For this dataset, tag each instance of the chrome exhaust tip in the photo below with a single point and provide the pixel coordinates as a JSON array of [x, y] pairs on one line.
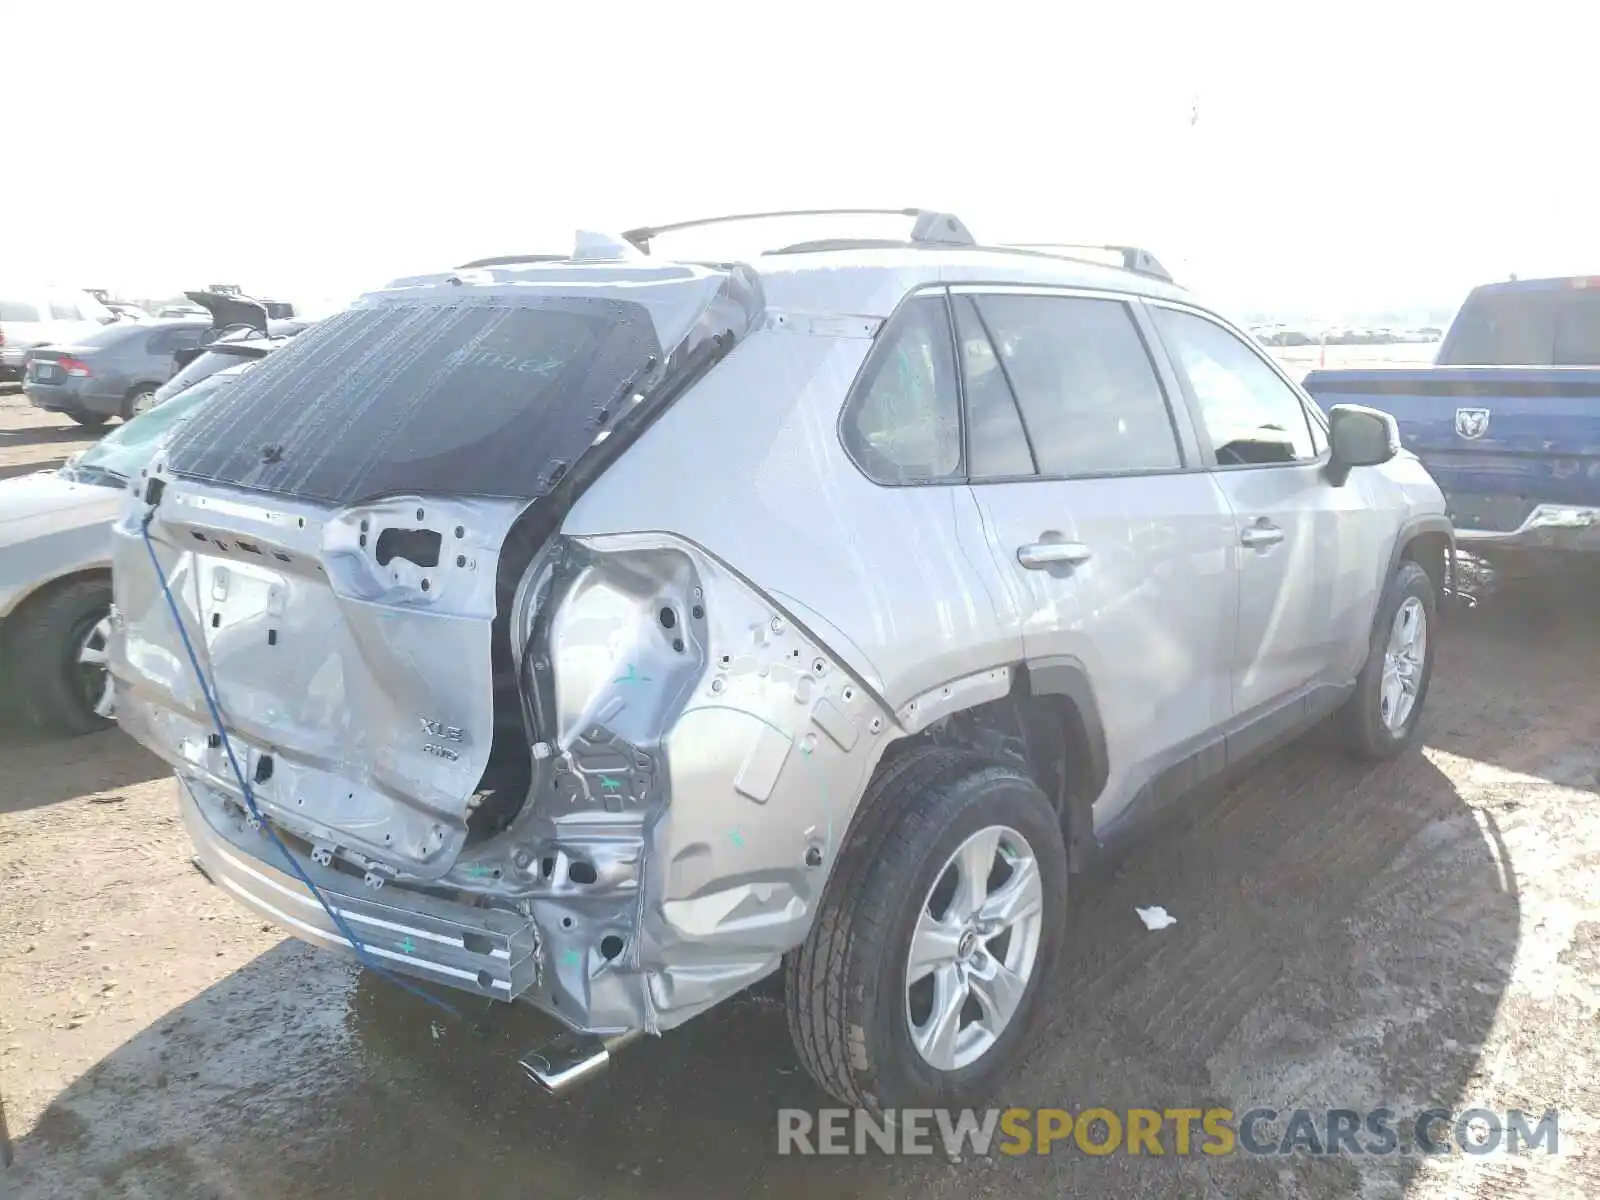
[[570, 1059]]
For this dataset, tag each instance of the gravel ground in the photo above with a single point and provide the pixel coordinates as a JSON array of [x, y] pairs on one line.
[[1424, 933]]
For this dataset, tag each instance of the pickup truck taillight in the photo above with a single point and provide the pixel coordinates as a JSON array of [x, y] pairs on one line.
[[75, 367]]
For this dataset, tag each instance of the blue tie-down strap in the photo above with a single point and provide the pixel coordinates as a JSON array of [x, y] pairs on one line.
[[356, 945]]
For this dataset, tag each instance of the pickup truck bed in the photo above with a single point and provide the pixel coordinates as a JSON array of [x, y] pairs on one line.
[[1515, 448]]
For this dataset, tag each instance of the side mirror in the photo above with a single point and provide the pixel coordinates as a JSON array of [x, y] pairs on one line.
[[1359, 437]]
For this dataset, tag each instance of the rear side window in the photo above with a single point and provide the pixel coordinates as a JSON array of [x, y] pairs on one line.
[[1251, 415], [1090, 399], [489, 397], [18, 310], [902, 422], [1549, 326], [169, 341], [64, 307], [996, 441]]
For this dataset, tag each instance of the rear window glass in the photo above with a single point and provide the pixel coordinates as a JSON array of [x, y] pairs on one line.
[[1554, 328], [472, 397], [18, 310]]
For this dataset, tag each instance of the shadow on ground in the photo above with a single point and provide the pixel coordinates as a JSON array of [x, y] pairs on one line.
[[34, 772], [1345, 938]]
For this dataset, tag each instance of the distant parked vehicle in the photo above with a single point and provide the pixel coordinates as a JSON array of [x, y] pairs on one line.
[[112, 372], [240, 331], [127, 312], [185, 311], [33, 316], [1507, 419]]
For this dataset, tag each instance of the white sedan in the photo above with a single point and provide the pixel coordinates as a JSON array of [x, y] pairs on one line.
[[55, 569]]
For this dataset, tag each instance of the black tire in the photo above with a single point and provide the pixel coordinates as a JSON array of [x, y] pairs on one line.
[[43, 639], [1363, 726], [845, 986], [89, 419]]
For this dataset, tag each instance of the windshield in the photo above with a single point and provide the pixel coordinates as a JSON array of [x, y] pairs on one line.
[[1536, 328], [124, 451], [471, 397]]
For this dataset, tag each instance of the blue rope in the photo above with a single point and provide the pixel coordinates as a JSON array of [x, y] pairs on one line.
[[356, 944]]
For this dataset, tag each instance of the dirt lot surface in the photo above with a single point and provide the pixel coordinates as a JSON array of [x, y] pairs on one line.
[[1423, 933]]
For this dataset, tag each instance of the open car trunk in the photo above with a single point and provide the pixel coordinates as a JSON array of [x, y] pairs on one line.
[[337, 535]]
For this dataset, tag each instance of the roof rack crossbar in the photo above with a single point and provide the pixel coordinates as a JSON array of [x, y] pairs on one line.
[[1134, 258], [928, 227]]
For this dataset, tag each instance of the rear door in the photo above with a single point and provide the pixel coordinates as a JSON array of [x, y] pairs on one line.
[[1306, 550], [1114, 541]]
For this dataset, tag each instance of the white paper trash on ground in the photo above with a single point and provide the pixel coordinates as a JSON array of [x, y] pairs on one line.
[[1156, 917]]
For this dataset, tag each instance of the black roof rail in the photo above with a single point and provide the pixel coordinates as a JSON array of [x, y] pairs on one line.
[[1134, 258], [928, 227], [506, 260]]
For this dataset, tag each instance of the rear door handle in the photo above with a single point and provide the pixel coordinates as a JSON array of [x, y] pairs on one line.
[[1038, 555], [1261, 535]]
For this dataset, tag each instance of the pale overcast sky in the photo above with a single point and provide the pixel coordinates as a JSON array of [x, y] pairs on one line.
[[1345, 154]]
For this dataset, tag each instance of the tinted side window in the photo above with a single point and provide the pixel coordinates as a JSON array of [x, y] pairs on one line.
[[64, 307], [1091, 401], [996, 442], [901, 423], [168, 341], [1251, 415]]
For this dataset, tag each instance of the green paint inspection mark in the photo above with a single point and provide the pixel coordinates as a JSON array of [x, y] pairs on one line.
[[571, 956], [610, 784], [632, 676], [480, 871], [736, 837], [408, 946]]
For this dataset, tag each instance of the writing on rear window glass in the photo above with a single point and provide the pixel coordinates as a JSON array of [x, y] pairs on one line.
[[506, 362]]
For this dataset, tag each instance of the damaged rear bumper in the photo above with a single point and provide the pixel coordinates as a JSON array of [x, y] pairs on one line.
[[490, 952]]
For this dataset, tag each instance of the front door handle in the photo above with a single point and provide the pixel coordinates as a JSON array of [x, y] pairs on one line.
[[1261, 535], [1036, 556]]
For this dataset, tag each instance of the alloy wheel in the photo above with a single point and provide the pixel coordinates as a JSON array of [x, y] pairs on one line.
[[974, 947]]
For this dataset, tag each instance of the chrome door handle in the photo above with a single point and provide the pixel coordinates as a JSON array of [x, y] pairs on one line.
[[1258, 537], [1038, 555]]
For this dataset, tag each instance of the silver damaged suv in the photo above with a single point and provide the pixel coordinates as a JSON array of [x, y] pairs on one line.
[[609, 632]]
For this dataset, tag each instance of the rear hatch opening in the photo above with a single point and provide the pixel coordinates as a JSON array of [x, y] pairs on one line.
[[344, 534]]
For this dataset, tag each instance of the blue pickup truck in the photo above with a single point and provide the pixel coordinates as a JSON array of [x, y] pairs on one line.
[[1507, 419]]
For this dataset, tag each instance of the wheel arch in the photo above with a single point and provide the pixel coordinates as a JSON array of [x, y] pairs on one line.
[[1047, 722], [1430, 542]]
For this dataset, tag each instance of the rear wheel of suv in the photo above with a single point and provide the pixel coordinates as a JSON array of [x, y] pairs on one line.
[[921, 981], [56, 646], [1382, 716]]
